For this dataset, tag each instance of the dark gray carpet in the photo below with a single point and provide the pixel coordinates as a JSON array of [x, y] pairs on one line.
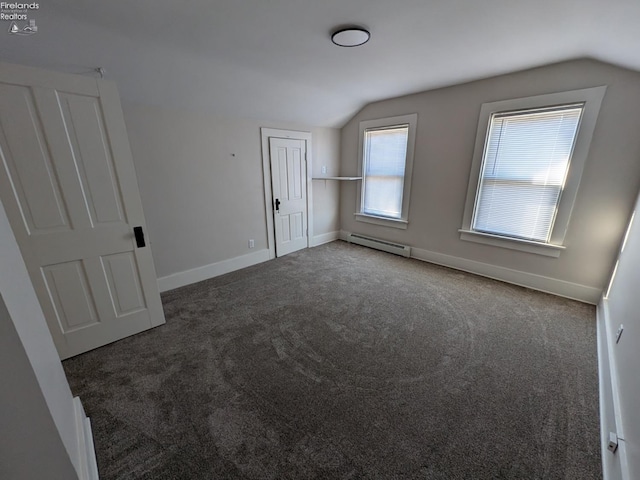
[[348, 363]]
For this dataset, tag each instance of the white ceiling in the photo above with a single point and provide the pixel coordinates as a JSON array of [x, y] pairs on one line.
[[273, 59]]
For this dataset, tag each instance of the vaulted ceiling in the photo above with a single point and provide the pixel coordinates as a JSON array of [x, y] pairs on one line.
[[273, 59]]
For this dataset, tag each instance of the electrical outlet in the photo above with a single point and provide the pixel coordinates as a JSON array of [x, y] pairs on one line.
[[251, 243], [324, 169]]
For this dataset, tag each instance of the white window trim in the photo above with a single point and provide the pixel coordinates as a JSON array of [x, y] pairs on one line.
[[592, 99], [530, 246], [387, 222], [403, 221]]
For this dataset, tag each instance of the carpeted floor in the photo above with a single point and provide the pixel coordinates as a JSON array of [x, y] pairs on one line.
[[347, 363]]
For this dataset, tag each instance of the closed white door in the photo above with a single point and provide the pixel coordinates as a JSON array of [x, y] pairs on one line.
[[289, 187], [69, 187]]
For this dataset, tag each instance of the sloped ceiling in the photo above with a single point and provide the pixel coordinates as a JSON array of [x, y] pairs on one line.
[[273, 59]]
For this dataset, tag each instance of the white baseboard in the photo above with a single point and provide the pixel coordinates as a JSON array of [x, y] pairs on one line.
[[321, 239], [561, 288], [614, 465], [180, 279], [554, 286], [87, 464]]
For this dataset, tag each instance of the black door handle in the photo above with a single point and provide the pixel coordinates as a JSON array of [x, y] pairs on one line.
[[139, 234], [277, 205]]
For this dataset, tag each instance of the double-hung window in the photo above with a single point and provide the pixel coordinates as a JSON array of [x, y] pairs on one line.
[[527, 166], [386, 153]]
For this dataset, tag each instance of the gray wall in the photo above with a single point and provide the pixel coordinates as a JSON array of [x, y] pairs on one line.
[[37, 417], [622, 307], [447, 123], [201, 184], [326, 194]]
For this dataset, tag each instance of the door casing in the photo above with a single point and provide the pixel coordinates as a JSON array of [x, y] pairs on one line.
[[266, 133]]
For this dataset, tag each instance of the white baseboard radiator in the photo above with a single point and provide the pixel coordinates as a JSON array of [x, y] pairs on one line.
[[396, 248]]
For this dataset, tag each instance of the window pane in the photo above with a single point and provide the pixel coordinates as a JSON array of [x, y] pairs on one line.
[[383, 196], [523, 173], [517, 210], [385, 153]]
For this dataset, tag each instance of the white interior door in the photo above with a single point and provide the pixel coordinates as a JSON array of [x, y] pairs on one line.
[[289, 188], [68, 185]]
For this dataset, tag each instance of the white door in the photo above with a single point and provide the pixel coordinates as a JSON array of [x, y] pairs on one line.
[[70, 191], [289, 187]]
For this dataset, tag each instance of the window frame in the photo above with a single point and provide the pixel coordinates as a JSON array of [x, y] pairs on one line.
[[592, 100], [388, 122]]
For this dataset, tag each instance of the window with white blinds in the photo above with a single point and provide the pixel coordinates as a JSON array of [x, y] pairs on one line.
[[385, 154], [524, 168], [527, 165]]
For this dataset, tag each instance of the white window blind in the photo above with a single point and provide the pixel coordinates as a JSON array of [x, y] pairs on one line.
[[526, 159], [385, 155]]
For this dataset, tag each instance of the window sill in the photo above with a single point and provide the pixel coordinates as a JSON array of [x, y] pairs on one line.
[[539, 248], [387, 222]]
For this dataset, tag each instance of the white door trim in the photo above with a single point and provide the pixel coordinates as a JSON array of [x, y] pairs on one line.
[[266, 175]]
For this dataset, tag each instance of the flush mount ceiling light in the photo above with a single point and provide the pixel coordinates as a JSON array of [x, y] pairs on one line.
[[350, 37]]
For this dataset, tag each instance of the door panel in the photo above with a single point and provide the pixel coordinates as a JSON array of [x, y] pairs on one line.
[[296, 179], [123, 277], [283, 172], [289, 180], [68, 288], [92, 158], [285, 229], [33, 179], [297, 227], [69, 188]]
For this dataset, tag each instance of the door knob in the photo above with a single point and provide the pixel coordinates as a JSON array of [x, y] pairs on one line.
[[277, 205]]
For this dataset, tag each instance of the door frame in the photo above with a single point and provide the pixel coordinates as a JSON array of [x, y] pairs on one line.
[[265, 134]]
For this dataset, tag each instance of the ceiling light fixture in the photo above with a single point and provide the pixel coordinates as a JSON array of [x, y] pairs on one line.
[[350, 37]]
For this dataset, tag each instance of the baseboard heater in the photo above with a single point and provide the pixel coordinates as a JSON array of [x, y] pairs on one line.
[[396, 248]]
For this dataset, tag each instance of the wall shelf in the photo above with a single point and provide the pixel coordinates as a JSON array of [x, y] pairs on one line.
[[336, 178]]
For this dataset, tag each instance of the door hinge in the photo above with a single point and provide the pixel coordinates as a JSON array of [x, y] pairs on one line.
[[613, 442]]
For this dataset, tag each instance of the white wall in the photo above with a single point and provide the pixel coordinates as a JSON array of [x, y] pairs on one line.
[[201, 184], [38, 436], [623, 307], [447, 123]]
